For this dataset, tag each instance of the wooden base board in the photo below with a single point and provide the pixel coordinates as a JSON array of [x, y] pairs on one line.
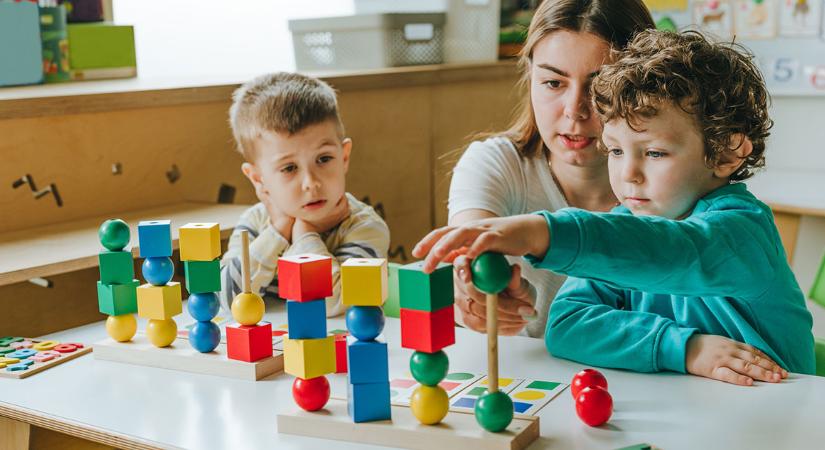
[[41, 366], [181, 356], [458, 430]]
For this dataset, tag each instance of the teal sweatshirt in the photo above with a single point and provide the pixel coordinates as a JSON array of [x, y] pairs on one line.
[[640, 286]]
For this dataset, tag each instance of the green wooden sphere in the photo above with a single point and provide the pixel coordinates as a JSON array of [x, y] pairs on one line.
[[429, 368], [491, 272], [114, 234], [494, 411]]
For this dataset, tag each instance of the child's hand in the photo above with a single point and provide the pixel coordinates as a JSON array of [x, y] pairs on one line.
[[513, 235], [302, 227], [514, 302], [280, 221], [727, 360]]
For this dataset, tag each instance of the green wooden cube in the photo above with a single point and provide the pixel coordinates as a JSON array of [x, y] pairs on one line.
[[391, 305], [425, 292], [116, 267], [117, 299], [202, 276]]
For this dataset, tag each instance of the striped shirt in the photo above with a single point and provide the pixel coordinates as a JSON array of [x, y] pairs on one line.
[[363, 234]]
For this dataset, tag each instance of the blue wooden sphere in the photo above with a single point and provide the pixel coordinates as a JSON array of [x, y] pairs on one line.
[[205, 336], [365, 322], [158, 270], [203, 306]]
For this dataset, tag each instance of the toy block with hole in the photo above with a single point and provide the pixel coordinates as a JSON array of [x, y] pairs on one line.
[[200, 241], [249, 343], [309, 358], [117, 299], [305, 277], [368, 362], [159, 302], [202, 276], [364, 281], [369, 402], [155, 238], [427, 331], [116, 267], [341, 353], [307, 320], [425, 292]]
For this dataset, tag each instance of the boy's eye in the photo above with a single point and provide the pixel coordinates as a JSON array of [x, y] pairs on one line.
[[615, 151], [324, 159], [552, 84], [289, 168], [655, 154]]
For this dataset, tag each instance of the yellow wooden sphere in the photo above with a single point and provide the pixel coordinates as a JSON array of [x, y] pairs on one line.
[[248, 308], [121, 328], [162, 333], [429, 404]]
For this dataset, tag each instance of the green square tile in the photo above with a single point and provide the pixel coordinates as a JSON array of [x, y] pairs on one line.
[[544, 385], [202, 276], [477, 391], [392, 305], [117, 299], [424, 292], [116, 267]]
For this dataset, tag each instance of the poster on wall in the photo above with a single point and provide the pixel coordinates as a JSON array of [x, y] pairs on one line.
[[755, 19], [800, 17], [714, 17]]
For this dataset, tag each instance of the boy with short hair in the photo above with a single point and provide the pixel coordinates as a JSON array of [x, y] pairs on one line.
[[689, 273], [288, 129]]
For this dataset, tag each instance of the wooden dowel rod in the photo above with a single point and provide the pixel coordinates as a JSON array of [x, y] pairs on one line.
[[492, 342], [247, 288]]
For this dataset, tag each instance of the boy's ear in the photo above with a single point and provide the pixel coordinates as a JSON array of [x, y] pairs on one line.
[[253, 174], [730, 161], [346, 146]]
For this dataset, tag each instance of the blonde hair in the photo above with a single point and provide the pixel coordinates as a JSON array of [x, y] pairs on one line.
[[280, 102]]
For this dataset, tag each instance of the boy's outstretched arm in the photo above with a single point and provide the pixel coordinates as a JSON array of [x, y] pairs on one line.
[[587, 324]]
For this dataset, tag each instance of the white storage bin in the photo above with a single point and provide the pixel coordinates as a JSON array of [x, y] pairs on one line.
[[368, 41], [472, 28]]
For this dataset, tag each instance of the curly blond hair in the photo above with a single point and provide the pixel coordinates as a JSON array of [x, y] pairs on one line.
[[718, 83]]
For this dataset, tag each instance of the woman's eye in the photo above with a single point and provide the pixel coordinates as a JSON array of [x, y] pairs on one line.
[[552, 84]]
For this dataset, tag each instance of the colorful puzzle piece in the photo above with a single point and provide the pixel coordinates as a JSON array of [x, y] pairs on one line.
[[32, 356], [401, 389]]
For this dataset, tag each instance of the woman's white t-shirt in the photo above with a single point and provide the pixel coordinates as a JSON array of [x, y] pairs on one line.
[[491, 175]]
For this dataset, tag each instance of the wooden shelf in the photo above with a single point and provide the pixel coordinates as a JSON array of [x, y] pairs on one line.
[[66, 247], [113, 95]]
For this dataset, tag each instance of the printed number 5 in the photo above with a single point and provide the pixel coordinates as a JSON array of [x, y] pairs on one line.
[[784, 69]]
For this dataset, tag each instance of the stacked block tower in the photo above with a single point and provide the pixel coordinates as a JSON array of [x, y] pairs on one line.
[[200, 251], [364, 289], [249, 339], [117, 288], [159, 300], [427, 326], [309, 352]]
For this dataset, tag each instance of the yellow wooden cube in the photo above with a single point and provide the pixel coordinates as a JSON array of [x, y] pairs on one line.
[[159, 302], [309, 358], [200, 241], [364, 281]]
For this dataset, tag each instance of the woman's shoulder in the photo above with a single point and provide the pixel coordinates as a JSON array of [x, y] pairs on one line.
[[496, 151]]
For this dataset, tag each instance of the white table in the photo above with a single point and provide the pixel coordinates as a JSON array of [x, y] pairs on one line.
[[125, 405]]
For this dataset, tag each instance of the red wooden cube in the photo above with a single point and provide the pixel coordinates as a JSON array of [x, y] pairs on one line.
[[427, 331], [249, 343], [341, 353], [304, 277]]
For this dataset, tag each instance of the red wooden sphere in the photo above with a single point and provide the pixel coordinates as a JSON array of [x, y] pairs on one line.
[[311, 394], [594, 406], [587, 378]]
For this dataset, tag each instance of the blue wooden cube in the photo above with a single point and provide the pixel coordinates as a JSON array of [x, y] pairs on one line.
[[367, 362], [307, 320], [155, 238], [369, 402]]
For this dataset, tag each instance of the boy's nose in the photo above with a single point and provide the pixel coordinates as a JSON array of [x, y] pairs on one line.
[[311, 182], [632, 173]]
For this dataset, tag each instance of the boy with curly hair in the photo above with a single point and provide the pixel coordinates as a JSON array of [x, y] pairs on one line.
[[688, 274]]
